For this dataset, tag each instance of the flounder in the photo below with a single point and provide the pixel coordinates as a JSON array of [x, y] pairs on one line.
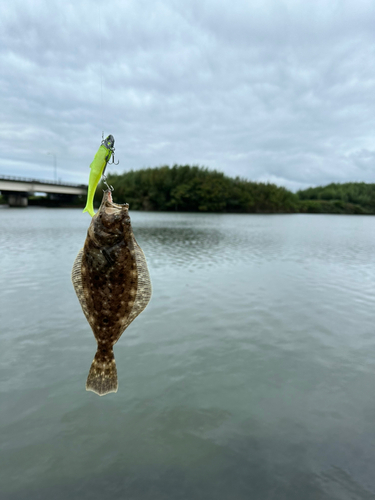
[[112, 282]]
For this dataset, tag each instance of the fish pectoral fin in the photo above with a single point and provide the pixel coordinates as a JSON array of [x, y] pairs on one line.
[[102, 378], [108, 257]]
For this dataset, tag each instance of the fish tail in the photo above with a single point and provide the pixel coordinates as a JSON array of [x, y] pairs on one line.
[[102, 378], [89, 208]]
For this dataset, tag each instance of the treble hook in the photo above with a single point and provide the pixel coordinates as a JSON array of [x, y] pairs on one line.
[[113, 158]]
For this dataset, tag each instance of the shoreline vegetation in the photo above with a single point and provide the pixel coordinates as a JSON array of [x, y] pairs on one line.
[[185, 188]]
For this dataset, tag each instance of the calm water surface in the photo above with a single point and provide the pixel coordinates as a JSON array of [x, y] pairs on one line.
[[250, 375]]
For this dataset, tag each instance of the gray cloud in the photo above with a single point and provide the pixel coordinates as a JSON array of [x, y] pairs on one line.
[[271, 91]]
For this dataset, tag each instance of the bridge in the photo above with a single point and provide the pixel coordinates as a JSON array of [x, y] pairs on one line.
[[18, 189]]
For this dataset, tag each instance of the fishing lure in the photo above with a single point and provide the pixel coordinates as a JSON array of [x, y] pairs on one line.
[[97, 169]]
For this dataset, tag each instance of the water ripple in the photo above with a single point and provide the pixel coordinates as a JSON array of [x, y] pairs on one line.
[[249, 375]]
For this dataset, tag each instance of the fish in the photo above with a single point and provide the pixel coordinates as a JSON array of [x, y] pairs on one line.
[[112, 282], [97, 168]]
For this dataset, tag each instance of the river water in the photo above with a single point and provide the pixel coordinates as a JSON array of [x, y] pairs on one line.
[[250, 375]]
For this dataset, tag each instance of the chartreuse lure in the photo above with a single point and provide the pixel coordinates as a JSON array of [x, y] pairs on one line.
[[97, 168]]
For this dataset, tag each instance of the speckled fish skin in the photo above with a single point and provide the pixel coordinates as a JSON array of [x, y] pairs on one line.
[[111, 279]]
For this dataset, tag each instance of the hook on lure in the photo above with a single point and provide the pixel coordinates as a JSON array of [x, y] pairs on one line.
[[109, 143]]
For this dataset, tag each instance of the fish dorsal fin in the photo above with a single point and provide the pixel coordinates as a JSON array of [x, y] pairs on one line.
[[77, 282], [144, 289]]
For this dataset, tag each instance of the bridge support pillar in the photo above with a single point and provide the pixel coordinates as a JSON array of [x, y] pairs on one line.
[[17, 200]]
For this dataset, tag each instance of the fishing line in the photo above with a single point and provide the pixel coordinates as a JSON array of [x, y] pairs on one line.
[[101, 69]]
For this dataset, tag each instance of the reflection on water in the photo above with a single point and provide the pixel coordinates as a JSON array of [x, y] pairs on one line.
[[196, 240], [249, 375]]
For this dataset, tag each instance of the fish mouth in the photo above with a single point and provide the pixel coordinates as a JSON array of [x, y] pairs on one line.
[[109, 207]]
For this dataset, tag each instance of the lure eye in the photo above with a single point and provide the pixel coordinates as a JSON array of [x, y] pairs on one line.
[[110, 141]]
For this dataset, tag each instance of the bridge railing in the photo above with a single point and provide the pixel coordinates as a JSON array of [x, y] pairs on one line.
[[40, 181]]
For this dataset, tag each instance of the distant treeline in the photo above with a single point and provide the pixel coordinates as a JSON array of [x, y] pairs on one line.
[[197, 189], [349, 198]]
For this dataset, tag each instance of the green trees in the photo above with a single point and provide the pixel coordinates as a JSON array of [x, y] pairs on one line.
[[197, 189], [351, 197]]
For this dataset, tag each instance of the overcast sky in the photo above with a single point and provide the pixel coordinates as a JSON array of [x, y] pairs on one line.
[[270, 90]]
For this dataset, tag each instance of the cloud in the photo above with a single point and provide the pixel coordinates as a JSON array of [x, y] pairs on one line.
[[278, 91]]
